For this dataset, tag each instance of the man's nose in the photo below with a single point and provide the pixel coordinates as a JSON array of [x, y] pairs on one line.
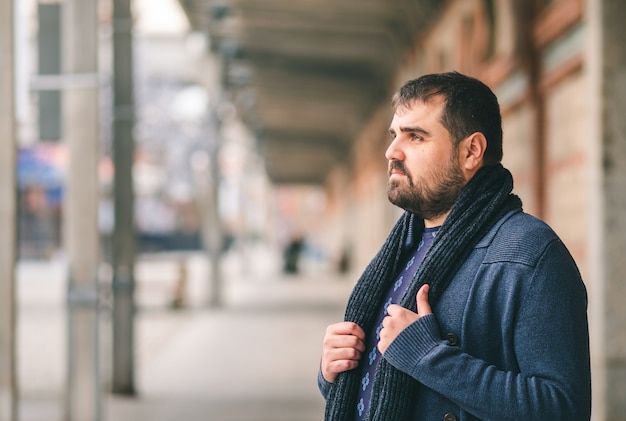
[[393, 152]]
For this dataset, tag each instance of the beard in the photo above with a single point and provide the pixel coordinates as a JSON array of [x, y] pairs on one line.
[[432, 195]]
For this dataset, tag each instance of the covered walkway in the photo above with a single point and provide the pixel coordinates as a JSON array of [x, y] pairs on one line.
[[256, 358]]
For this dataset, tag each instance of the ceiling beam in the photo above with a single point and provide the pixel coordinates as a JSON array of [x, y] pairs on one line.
[[306, 75]]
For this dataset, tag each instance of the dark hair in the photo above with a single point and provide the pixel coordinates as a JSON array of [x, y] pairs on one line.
[[470, 106]]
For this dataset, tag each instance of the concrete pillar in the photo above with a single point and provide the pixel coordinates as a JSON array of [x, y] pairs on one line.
[[123, 250], [81, 122], [8, 387], [207, 178], [213, 228], [606, 66], [207, 181]]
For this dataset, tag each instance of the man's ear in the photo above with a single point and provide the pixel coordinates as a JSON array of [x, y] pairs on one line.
[[472, 151]]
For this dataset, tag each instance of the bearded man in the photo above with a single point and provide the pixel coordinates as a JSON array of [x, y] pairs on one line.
[[472, 309]]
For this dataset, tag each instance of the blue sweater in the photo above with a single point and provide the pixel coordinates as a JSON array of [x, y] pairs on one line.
[[508, 340]]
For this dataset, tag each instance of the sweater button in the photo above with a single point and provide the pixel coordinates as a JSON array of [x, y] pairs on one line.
[[453, 340], [449, 417]]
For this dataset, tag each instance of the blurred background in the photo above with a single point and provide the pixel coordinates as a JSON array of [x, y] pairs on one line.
[[190, 188]]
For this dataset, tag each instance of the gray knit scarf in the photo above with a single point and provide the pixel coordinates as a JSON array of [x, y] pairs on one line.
[[483, 201]]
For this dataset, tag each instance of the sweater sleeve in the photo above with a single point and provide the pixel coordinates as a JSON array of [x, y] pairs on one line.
[[551, 345], [323, 385]]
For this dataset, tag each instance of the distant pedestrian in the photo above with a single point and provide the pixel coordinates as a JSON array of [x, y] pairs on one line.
[[472, 309], [292, 254]]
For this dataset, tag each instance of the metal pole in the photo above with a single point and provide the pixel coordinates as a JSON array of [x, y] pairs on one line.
[[81, 112], [123, 245], [8, 382]]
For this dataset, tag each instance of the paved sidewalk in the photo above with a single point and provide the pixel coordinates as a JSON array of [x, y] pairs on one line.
[[256, 358]]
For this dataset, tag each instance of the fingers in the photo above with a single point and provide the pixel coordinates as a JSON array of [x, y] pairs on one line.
[[342, 347], [345, 335], [344, 342], [389, 331], [339, 360], [423, 306], [393, 310], [346, 328], [399, 318]]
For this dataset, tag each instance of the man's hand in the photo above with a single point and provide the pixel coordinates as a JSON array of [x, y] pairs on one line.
[[399, 318], [343, 344]]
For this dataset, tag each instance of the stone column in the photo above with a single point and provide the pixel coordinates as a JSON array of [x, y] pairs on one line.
[[81, 134], [8, 388], [606, 67]]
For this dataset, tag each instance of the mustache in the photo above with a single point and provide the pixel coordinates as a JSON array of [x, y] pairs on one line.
[[398, 166]]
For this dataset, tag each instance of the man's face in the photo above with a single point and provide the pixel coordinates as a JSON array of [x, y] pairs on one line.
[[424, 172]]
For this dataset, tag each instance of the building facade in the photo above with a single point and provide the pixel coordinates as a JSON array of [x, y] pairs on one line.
[[557, 70]]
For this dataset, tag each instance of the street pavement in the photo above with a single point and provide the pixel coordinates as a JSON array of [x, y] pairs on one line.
[[256, 357]]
